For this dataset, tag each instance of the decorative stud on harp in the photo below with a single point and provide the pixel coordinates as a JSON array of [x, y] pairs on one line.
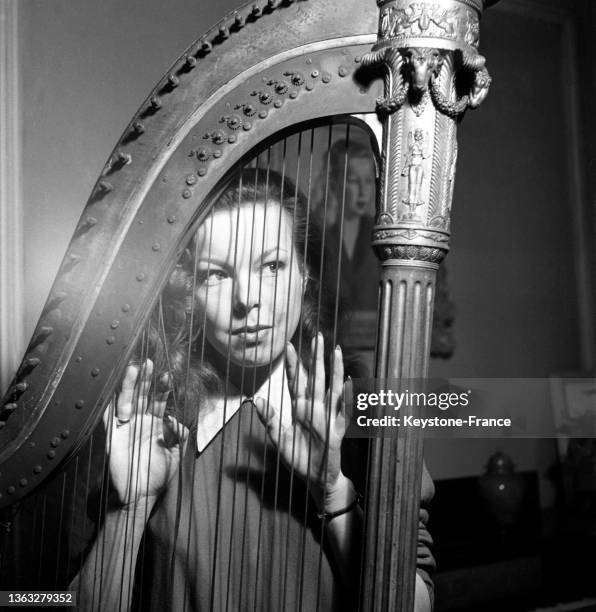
[[426, 51]]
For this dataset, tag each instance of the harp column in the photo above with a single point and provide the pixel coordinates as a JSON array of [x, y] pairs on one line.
[[433, 72]]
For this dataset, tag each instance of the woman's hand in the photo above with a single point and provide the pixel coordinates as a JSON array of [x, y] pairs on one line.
[[311, 446], [144, 450]]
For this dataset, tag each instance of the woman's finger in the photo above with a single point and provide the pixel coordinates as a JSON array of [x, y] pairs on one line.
[[175, 432], [126, 397], [340, 419], [336, 389], [293, 372], [157, 407], [317, 364], [143, 386], [108, 417], [319, 382]]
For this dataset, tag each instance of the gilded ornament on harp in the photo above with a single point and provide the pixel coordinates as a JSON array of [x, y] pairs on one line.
[[385, 218], [423, 64], [429, 20], [281, 87], [248, 109], [410, 234], [480, 88], [442, 85], [232, 121], [395, 86], [296, 78], [414, 172], [217, 136], [412, 253]]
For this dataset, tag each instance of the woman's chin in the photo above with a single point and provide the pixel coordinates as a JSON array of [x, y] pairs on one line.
[[254, 356]]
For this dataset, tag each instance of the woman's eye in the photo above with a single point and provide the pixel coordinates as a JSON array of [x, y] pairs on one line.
[[273, 267], [216, 275], [211, 276]]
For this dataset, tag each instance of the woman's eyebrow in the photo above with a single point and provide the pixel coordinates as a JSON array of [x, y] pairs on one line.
[[273, 251], [211, 261]]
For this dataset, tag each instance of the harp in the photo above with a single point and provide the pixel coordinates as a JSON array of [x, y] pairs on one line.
[[232, 93]]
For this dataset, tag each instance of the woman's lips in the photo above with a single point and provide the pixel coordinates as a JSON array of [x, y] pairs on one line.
[[250, 334], [249, 329]]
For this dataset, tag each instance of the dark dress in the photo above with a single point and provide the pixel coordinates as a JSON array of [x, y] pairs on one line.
[[249, 540], [246, 541]]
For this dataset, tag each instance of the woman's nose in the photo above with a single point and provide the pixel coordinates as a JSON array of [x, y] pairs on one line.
[[246, 294]]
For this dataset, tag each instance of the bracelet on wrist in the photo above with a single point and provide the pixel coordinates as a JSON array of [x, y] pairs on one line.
[[327, 516]]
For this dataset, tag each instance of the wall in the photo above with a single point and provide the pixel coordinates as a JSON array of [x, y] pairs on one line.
[[86, 68], [11, 217]]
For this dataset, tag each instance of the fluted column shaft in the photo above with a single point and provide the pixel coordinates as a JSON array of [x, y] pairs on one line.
[[433, 73]]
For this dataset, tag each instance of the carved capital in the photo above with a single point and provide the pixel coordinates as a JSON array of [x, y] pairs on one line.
[[446, 24], [433, 74], [414, 39]]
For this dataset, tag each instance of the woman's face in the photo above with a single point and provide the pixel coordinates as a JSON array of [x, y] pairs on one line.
[[360, 187], [249, 282]]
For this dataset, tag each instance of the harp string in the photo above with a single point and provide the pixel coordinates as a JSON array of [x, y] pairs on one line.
[[61, 516], [186, 408], [251, 423], [72, 518], [128, 562], [300, 350], [239, 430], [295, 431], [127, 571], [144, 354], [103, 506], [169, 370], [227, 393], [142, 395], [291, 483], [271, 356], [277, 445], [251, 384], [267, 157], [83, 500], [139, 423], [268, 398], [319, 304], [198, 408], [41, 556]]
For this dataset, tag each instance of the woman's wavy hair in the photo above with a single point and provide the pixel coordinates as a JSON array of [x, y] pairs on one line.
[[174, 339]]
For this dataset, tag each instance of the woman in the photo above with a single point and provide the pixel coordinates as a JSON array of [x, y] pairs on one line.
[[349, 214], [235, 498]]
